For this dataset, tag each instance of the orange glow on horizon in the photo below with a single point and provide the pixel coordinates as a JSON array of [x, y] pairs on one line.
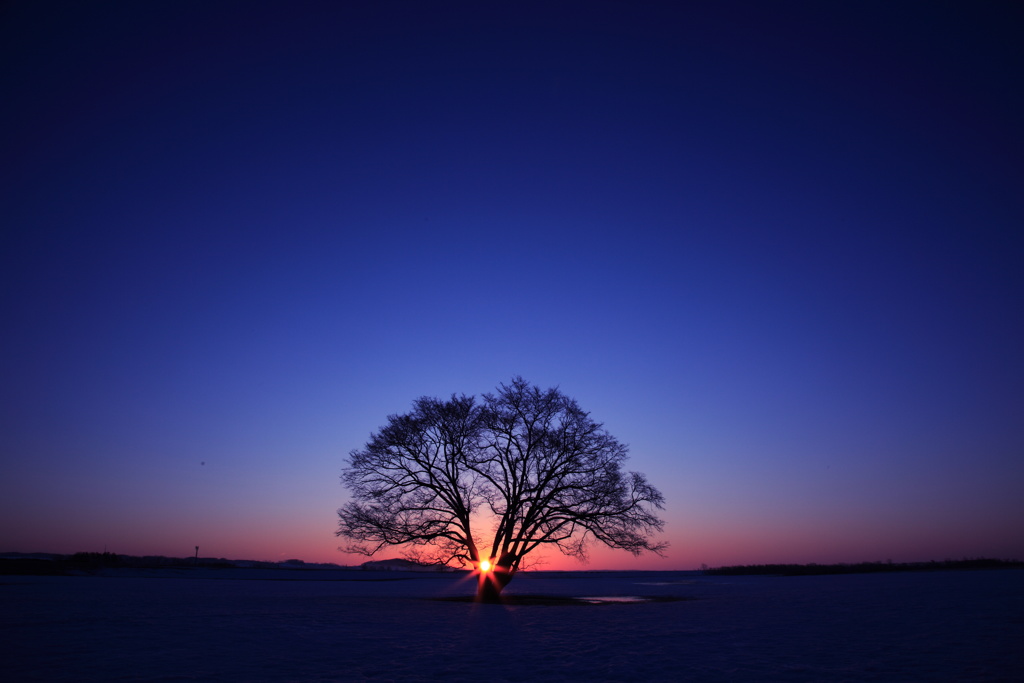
[[485, 566]]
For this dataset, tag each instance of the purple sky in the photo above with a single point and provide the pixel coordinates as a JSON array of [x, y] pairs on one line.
[[775, 248]]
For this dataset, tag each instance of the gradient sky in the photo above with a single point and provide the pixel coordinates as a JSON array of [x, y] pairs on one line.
[[776, 248]]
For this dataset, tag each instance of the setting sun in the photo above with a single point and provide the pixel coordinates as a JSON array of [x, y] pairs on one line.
[[485, 566]]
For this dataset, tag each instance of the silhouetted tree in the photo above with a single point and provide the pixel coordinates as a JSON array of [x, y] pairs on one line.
[[530, 461]]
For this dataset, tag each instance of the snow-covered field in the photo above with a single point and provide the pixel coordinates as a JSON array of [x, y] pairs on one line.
[[236, 625]]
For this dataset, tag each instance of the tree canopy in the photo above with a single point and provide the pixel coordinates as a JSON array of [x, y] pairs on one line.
[[525, 462]]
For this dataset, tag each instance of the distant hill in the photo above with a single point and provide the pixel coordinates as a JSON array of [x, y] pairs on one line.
[[399, 564], [860, 568]]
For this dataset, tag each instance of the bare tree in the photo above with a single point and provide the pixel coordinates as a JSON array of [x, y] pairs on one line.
[[526, 460]]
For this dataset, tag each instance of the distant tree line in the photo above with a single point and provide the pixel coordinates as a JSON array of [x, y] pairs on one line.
[[56, 565], [860, 567]]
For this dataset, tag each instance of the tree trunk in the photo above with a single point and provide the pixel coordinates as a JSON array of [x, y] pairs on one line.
[[491, 583]]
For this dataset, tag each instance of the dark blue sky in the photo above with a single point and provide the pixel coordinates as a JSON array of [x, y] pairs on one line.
[[776, 248]]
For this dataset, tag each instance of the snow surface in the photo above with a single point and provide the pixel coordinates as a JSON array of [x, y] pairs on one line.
[[234, 625]]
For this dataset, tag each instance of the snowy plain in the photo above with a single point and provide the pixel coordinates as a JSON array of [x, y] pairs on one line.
[[253, 625]]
